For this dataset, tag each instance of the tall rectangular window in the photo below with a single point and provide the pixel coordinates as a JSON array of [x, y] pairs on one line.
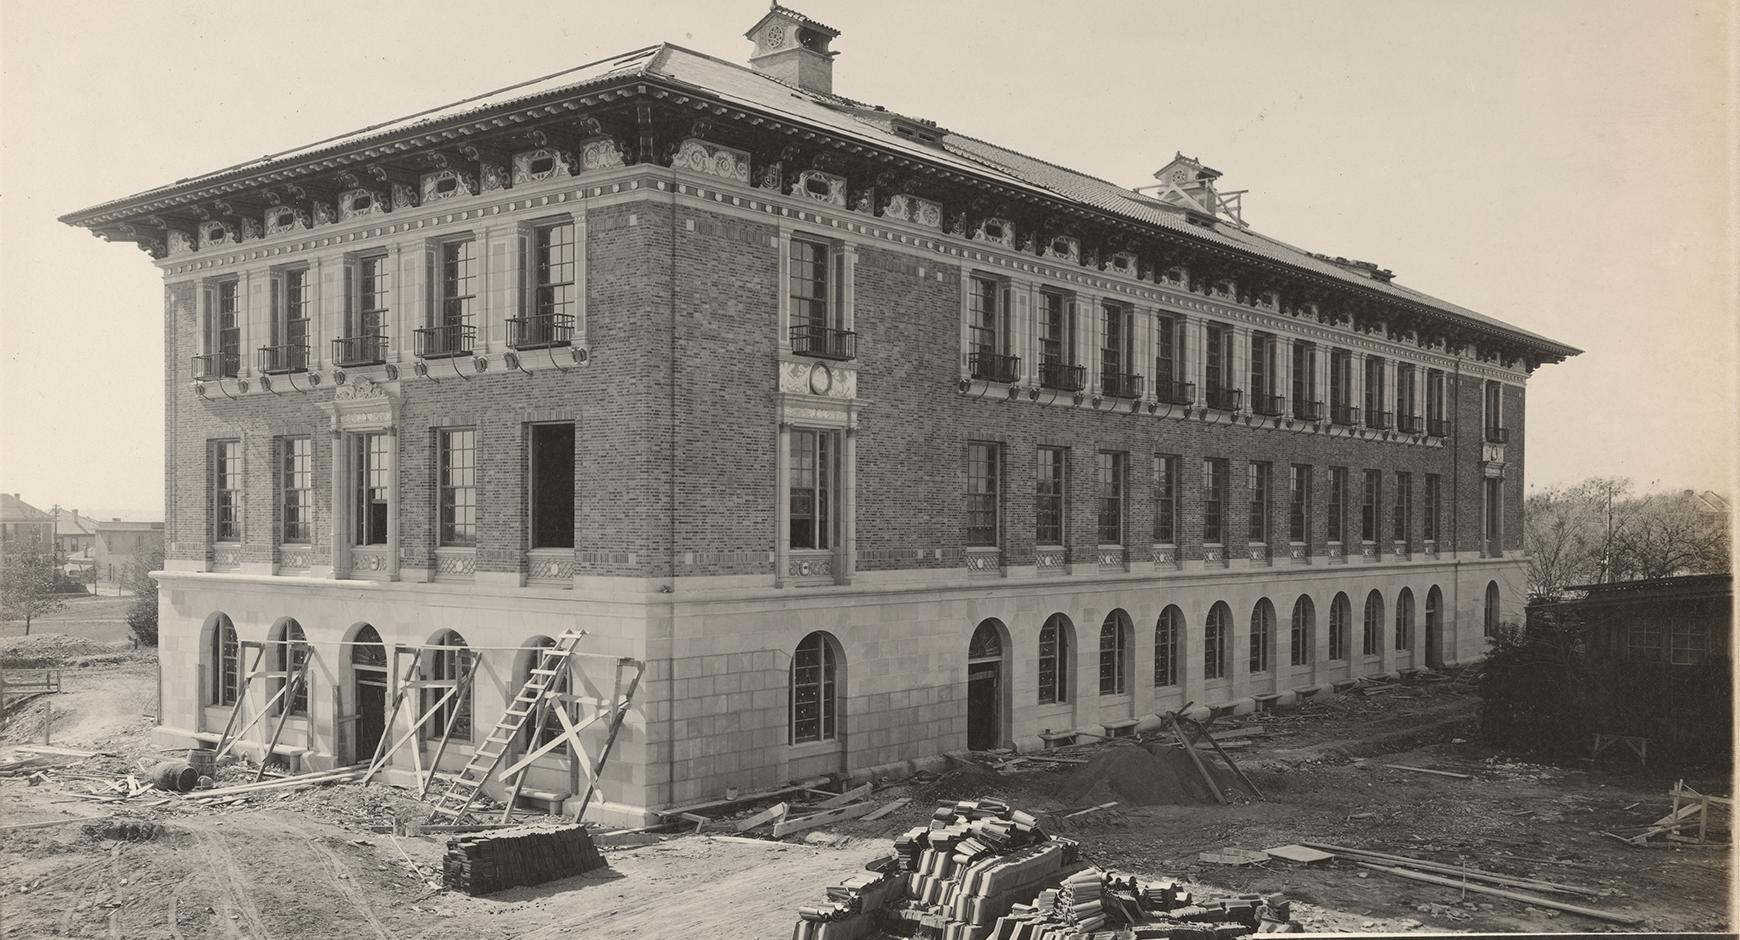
[[1493, 488], [1165, 498], [983, 493], [1115, 349], [1341, 386], [1435, 402], [1369, 503], [814, 478], [551, 484], [1262, 367], [228, 339], [1056, 329], [458, 281], [811, 284], [296, 490], [987, 330], [1214, 485], [457, 464], [1337, 522], [1217, 364], [1305, 405], [1168, 355], [1403, 514], [1257, 487], [1404, 395], [290, 321], [1299, 504], [226, 491], [1494, 404], [1111, 467], [1429, 523], [373, 280], [371, 474], [554, 274], [1374, 389], [1051, 482]]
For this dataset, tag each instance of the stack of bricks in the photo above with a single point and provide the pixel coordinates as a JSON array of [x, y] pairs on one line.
[[484, 864], [1096, 905]]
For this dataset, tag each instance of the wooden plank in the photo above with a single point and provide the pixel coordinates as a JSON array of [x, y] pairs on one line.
[[1299, 854], [1535, 900], [1236, 733], [1196, 759], [850, 796], [1055, 760], [1091, 809], [53, 822], [789, 825], [1428, 770], [887, 808], [774, 812], [1459, 871], [716, 804]]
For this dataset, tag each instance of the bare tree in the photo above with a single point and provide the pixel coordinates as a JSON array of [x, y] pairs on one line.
[[27, 582], [1667, 534], [1568, 532]]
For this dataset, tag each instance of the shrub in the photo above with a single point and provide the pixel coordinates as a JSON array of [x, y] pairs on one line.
[[142, 619]]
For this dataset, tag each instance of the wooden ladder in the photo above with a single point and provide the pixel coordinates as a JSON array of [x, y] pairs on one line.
[[463, 787]]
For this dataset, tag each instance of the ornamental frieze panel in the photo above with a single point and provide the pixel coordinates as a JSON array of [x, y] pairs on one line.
[[997, 232], [281, 219], [544, 163], [700, 156], [447, 184], [1258, 554], [1051, 559], [601, 153], [810, 566], [1110, 559], [181, 243], [462, 564], [818, 378], [360, 203], [217, 232], [909, 208], [1062, 248], [1163, 556], [823, 187], [984, 561], [1123, 262], [550, 567]]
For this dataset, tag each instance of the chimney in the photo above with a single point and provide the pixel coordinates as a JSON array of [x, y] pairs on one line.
[[793, 48]]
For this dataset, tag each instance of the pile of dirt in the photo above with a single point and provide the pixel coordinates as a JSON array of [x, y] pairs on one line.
[[56, 650], [1139, 775]]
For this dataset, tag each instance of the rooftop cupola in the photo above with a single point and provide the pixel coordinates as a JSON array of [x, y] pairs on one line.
[[793, 48], [1186, 183]]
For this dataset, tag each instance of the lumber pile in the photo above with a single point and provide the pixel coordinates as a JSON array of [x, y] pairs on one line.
[[504, 858], [1096, 903]]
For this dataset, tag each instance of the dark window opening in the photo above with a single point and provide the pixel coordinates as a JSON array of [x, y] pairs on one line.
[[552, 485]]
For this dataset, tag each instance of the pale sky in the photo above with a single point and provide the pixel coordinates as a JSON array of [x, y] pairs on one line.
[[1562, 166]]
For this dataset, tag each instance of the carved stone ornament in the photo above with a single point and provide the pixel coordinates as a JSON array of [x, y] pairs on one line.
[[821, 186], [251, 229], [447, 184], [701, 156], [996, 231], [535, 166], [866, 201], [1124, 263], [771, 177], [215, 233], [461, 564], [810, 566], [181, 243], [325, 213], [1050, 559], [984, 560], [492, 177], [909, 208], [1063, 248], [816, 378], [601, 153], [281, 219], [359, 203], [360, 388]]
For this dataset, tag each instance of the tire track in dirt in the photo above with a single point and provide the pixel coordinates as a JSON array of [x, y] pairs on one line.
[[342, 879], [235, 893]]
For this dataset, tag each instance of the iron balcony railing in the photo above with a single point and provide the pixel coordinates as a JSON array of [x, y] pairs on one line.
[[1345, 415], [1308, 410], [1225, 399], [278, 360], [1176, 393], [1497, 435], [540, 331], [1268, 405], [366, 349], [994, 367], [1437, 427], [1379, 420], [1062, 377], [1408, 424], [823, 342], [1121, 385], [219, 365], [446, 340]]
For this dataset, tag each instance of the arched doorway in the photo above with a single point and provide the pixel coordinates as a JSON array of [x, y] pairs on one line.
[[368, 669], [985, 686], [1434, 628]]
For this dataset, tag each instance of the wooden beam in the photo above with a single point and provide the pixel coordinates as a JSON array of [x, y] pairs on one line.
[[1501, 893], [775, 812], [789, 825]]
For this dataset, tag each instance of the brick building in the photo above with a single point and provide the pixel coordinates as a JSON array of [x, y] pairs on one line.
[[871, 439], [121, 546], [23, 526]]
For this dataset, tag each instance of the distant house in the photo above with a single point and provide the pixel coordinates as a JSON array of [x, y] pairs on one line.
[[75, 539], [122, 544], [23, 524]]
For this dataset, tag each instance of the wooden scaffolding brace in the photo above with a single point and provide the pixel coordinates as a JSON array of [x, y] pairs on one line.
[[295, 680], [1190, 733]]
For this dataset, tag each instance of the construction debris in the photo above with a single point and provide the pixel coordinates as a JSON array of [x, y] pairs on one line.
[[485, 864], [1428, 770], [1298, 854], [1688, 805], [1232, 857]]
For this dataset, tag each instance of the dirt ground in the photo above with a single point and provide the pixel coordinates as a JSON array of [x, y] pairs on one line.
[[98, 618], [304, 864]]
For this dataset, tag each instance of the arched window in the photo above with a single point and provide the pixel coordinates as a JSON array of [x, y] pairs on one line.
[[1304, 626], [1168, 634], [1405, 619], [1262, 635], [1054, 660], [1340, 626], [1434, 621], [987, 642], [449, 662], [367, 650], [1374, 624], [1115, 653], [814, 690], [1215, 636], [1492, 613], [289, 652], [226, 664]]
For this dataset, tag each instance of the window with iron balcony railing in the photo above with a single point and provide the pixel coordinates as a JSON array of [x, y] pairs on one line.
[[279, 360], [1408, 424], [822, 342], [446, 340], [994, 367], [1268, 405], [1497, 435], [1062, 377], [220, 365], [365, 349], [1379, 420], [1308, 410], [541, 331], [1437, 427], [1121, 385], [1176, 393], [1347, 415], [1225, 399]]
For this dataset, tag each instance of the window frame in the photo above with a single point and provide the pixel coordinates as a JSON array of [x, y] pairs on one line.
[[1058, 350], [1340, 627], [458, 268], [1432, 497], [226, 491], [451, 530], [1054, 661], [1214, 496], [1262, 638], [1111, 470], [1301, 625], [296, 490], [365, 494], [1371, 502], [1372, 634], [1336, 520], [1257, 501], [227, 660], [984, 504], [1216, 638], [822, 473], [829, 260], [1299, 504], [992, 322], [1168, 646], [1051, 470], [534, 482], [1402, 511], [1165, 497], [825, 685], [1114, 664], [449, 662]]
